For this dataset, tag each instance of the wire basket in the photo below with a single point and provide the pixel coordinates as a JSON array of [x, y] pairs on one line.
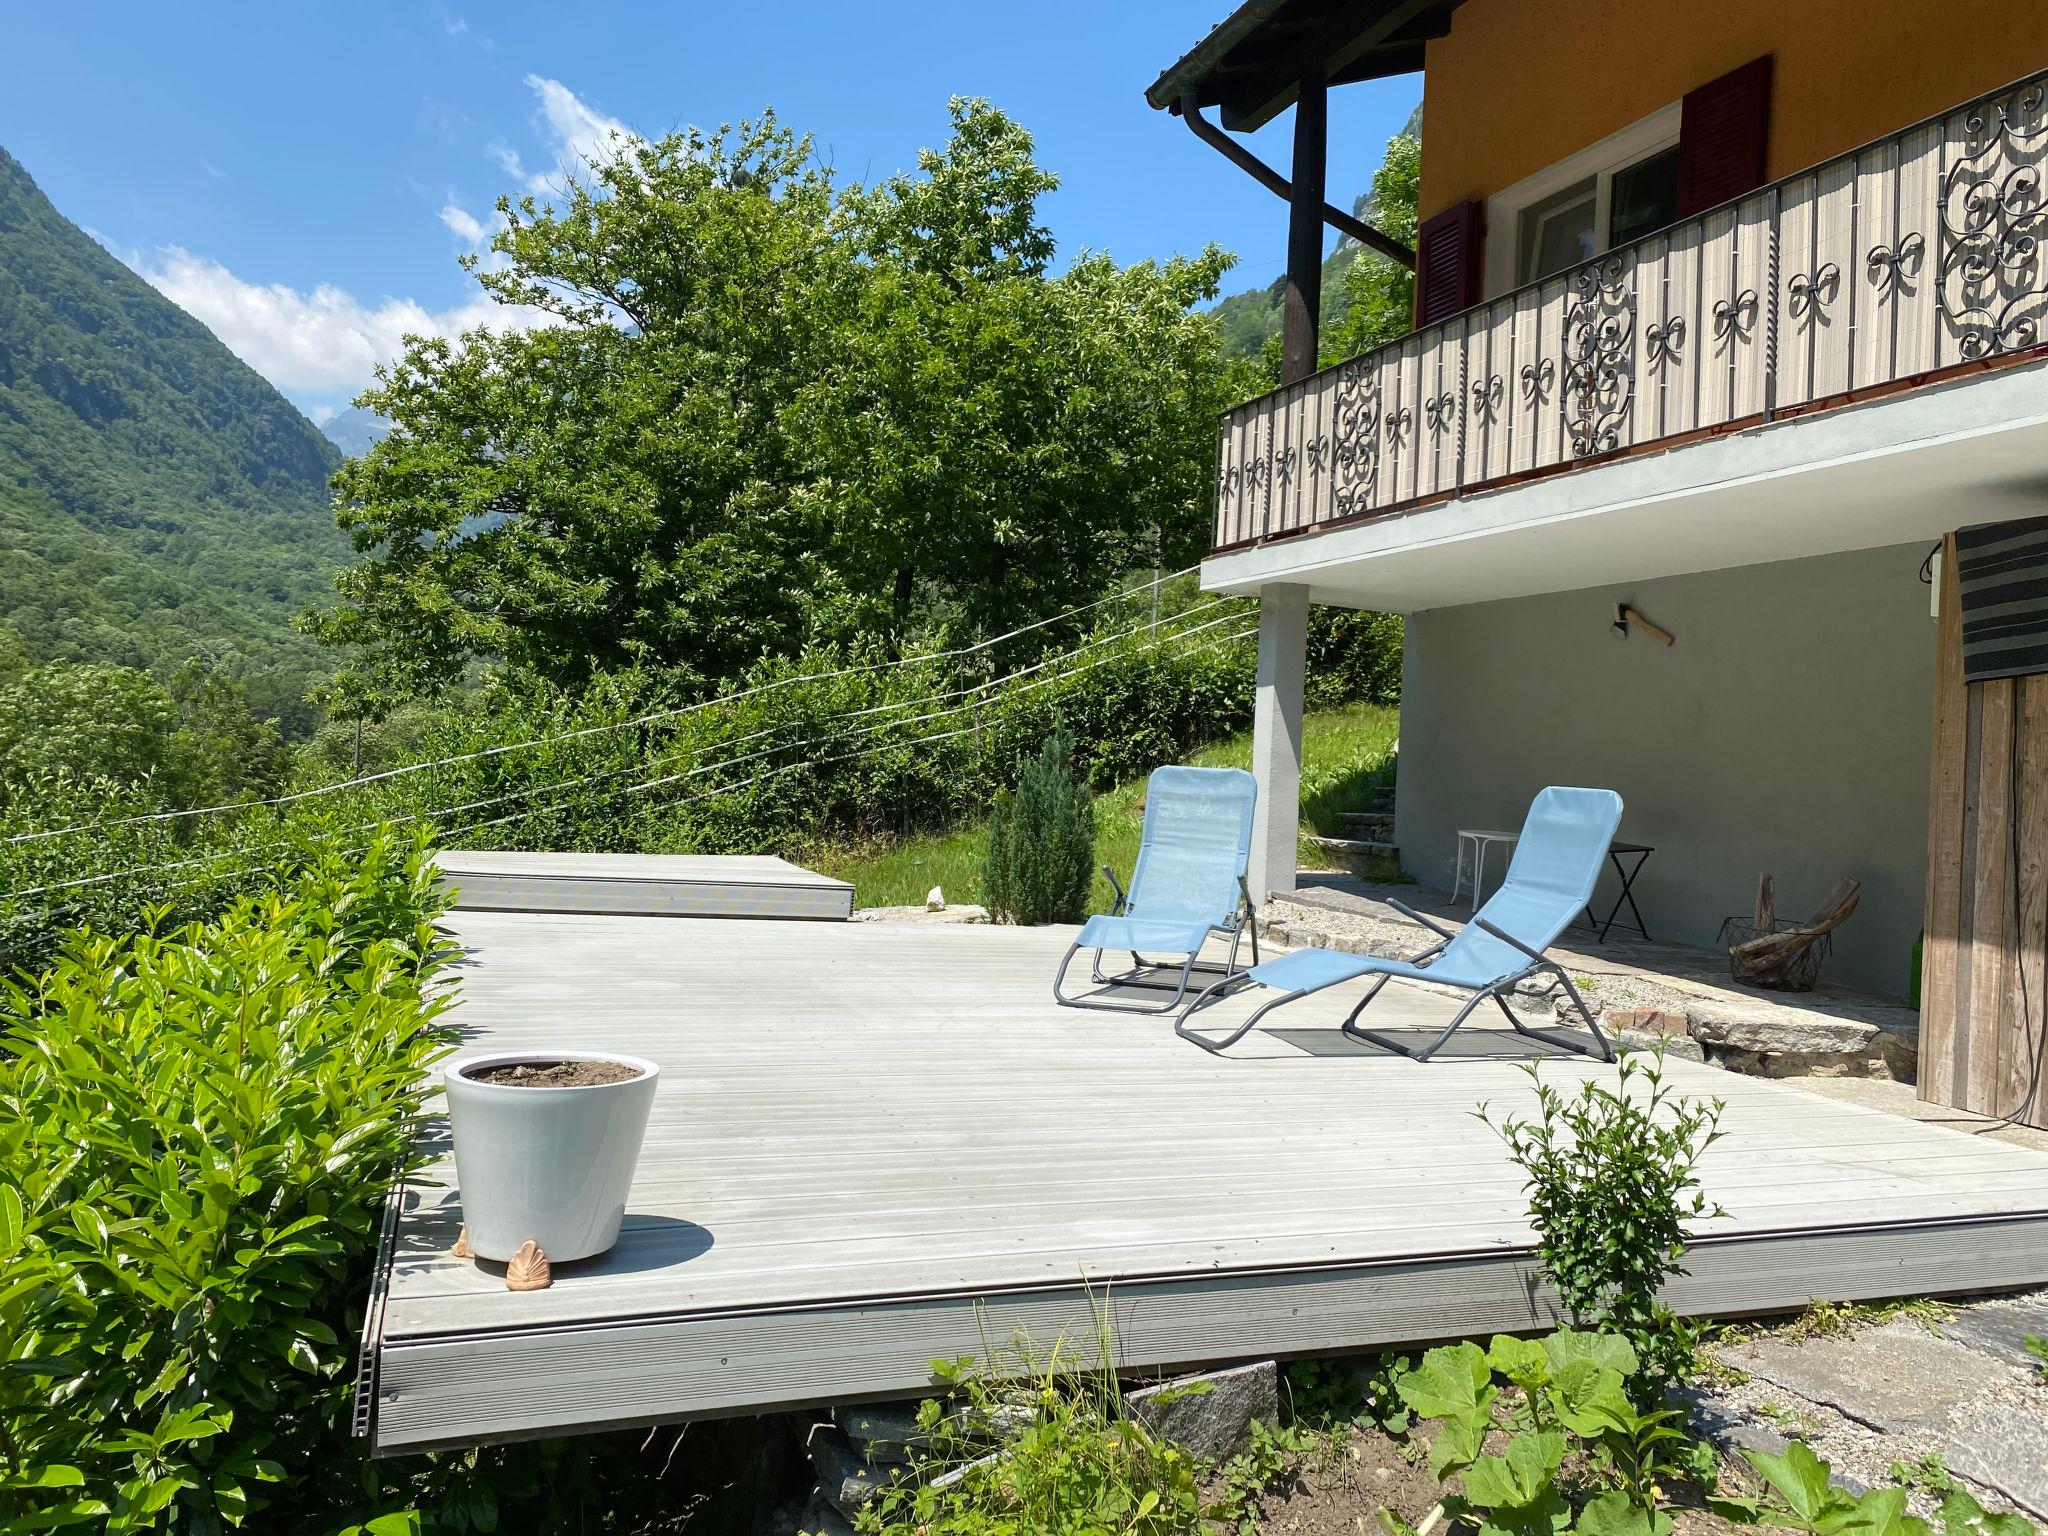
[[1799, 974]]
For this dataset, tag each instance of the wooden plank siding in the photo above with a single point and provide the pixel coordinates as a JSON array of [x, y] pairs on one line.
[[1984, 966]]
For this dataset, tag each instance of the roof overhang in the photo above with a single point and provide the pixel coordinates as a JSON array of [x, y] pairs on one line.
[[1252, 63]]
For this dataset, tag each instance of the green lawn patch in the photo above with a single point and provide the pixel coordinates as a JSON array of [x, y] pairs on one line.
[[1347, 758]]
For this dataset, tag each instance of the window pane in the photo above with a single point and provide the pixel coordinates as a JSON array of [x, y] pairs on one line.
[[1557, 232], [1644, 197]]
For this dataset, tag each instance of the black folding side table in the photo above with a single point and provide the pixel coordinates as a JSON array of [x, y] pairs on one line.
[[1616, 852]]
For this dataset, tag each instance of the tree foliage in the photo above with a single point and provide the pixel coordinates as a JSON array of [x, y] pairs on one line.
[[194, 742], [1379, 293], [773, 411]]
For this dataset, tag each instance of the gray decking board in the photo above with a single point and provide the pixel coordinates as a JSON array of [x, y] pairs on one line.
[[877, 1144], [642, 885]]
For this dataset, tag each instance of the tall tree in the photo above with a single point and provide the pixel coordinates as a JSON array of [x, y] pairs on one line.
[[1379, 293], [767, 412]]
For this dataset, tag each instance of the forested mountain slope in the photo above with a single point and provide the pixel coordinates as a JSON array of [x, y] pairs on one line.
[[158, 498]]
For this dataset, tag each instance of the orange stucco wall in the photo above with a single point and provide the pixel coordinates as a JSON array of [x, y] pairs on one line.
[[1520, 84]]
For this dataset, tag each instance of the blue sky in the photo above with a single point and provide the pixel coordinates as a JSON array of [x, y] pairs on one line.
[[303, 178]]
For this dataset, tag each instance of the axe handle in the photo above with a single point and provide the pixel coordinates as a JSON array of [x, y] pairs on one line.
[[1645, 625]]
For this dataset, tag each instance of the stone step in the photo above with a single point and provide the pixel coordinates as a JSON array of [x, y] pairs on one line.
[[1361, 856], [1372, 826]]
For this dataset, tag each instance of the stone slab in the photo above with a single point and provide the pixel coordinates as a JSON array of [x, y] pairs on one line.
[[1990, 1443], [1217, 1422], [2002, 1327], [1898, 1378]]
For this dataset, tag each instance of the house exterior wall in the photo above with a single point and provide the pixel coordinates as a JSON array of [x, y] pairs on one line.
[[1787, 730], [1518, 85]]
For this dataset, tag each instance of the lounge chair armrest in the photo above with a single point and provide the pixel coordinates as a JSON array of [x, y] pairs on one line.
[[1117, 886], [1509, 938], [1430, 923]]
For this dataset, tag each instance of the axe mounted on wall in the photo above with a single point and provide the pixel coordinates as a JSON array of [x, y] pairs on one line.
[[1624, 616]]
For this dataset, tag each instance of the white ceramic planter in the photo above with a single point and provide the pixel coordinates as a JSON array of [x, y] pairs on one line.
[[553, 1165]]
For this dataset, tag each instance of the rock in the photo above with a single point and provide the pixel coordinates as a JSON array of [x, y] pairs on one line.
[[1771, 1029], [1898, 1378], [1671, 1045], [935, 900], [883, 1431], [1791, 1040], [1671, 1023], [1724, 1423], [819, 1518], [2002, 1327], [847, 1480], [1217, 1422], [956, 913], [1991, 1444]]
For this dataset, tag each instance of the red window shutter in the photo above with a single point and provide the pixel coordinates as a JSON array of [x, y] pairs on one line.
[[1447, 251], [1724, 128]]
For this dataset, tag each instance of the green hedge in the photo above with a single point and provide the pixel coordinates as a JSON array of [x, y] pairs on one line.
[[199, 1128], [813, 759]]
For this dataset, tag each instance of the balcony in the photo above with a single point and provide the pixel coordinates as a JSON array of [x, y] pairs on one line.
[[1919, 256]]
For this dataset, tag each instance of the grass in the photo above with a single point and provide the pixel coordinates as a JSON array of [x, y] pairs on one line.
[[1347, 758]]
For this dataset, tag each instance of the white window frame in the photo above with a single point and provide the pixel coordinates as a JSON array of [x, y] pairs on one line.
[[1597, 162]]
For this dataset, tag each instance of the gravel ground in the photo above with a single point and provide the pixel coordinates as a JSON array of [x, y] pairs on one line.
[[1864, 1454]]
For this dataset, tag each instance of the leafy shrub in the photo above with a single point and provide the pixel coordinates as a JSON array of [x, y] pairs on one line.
[[199, 1129], [809, 757], [1564, 1396], [1073, 1462], [1041, 842], [1354, 657], [1612, 1185], [1799, 1495]]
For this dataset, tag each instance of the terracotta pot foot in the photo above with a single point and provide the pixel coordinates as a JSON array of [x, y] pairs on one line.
[[528, 1269], [462, 1250]]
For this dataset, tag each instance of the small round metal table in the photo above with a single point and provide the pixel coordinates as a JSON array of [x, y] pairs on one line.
[[1480, 842]]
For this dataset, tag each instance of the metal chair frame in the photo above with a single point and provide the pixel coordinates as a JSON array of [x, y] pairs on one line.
[[1157, 975], [1497, 989]]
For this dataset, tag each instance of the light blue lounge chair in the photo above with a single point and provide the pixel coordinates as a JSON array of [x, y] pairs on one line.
[[1187, 884], [1548, 884]]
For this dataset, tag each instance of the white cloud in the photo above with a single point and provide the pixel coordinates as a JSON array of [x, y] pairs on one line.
[[212, 170], [464, 224], [576, 132], [322, 341]]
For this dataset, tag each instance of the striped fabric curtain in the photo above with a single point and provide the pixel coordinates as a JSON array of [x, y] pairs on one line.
[[2002, 573]]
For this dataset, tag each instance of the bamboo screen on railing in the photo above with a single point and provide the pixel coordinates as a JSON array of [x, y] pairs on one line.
[[1923, 251]]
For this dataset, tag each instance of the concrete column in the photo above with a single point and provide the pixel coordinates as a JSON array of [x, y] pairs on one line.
[[1276, 736]]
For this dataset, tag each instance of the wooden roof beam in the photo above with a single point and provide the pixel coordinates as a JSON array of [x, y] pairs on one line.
[[1281, 188], [1361, 28]]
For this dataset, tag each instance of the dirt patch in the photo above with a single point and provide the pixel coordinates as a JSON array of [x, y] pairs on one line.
[[1339, 1489], [1340, 1492], [554, 1074]]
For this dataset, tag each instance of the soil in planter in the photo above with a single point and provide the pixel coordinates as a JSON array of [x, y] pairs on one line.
[[555, 1074]]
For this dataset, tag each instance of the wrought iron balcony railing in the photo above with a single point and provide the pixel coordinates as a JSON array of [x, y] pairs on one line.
[[1922, 252]]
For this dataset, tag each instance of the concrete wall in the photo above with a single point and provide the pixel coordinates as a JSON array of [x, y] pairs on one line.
[[1787, 730]]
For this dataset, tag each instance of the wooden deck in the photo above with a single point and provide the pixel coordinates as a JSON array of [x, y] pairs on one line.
[[878, 1144], [643, 885]]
